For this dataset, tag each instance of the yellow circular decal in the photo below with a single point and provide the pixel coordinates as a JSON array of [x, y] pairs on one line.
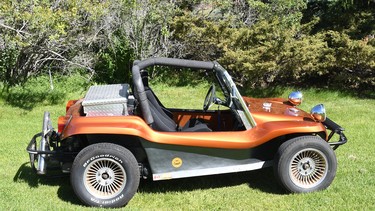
[[177, 162]]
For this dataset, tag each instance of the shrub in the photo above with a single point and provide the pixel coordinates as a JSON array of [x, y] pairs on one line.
[[352, 64]]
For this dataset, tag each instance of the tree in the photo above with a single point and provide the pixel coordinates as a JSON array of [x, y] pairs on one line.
[[53, 35], [251, 43], [355, 18], [145, 26]]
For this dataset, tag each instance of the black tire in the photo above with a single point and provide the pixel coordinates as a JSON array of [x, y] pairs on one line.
[[305, 164], [105, 175]]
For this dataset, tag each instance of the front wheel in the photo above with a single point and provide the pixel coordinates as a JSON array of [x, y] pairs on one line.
[[305, 164], [105, 175]]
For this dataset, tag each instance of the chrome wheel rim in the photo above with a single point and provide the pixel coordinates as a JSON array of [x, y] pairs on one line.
[[308, 168], [104, 178]]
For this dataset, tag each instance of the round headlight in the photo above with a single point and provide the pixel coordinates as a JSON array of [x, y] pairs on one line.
[[295, 98], [318, 112]]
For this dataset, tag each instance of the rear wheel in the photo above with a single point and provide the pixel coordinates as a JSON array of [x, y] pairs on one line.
[[305, 164], [105, 175]]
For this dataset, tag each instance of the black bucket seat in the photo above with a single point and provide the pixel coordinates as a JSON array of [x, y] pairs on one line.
[[163, 120]]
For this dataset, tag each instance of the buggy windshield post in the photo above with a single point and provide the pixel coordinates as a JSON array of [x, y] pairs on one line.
[[231, 87]]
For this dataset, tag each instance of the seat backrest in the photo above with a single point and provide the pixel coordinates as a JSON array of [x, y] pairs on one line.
[[162, 122], [169, 113]]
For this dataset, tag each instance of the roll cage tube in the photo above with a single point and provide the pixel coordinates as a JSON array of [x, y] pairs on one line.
[[138, 84]]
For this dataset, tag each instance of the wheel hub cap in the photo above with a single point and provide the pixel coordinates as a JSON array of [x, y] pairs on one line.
[[104, 178], [308, 168]]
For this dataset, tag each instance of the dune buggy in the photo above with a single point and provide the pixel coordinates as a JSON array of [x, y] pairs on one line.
[[120, 133]]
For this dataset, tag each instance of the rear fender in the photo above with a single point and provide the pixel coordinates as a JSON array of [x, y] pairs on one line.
[[128, 125]]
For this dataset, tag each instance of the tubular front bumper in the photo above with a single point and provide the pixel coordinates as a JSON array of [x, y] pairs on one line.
[[34, 154], [335, 129]]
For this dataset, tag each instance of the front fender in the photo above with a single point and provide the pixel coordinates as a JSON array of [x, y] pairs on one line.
[[280, 128]]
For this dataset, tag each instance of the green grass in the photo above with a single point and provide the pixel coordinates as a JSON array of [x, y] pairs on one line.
[[352, 189]]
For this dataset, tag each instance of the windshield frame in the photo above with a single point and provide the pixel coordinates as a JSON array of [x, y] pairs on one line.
[[233, 97]]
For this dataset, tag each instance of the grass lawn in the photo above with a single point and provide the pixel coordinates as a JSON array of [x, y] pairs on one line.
[[352, 189]]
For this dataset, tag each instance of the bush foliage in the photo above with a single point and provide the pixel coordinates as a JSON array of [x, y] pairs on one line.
[[281, 45], [262, 43]]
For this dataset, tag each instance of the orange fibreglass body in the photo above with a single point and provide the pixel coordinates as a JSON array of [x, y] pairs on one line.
[[270, 125]]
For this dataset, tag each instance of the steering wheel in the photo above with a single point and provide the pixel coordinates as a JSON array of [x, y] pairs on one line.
[[209, 100]]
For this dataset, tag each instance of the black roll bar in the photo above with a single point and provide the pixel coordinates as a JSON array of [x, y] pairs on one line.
[[138, 84]]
